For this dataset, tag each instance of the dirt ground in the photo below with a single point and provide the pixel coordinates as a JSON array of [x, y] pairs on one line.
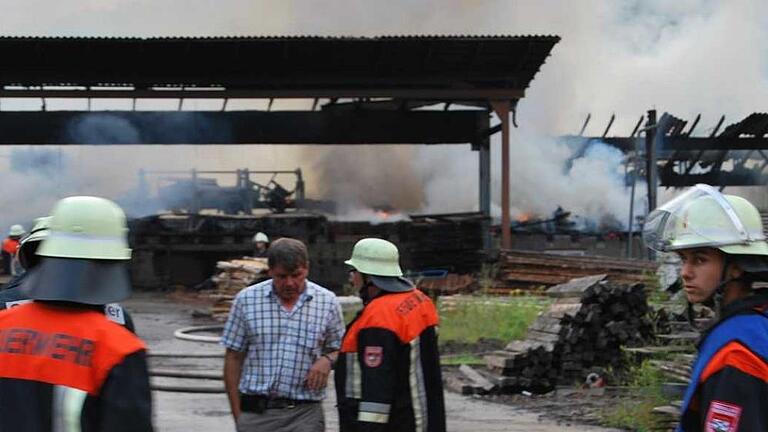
[[157, 317]]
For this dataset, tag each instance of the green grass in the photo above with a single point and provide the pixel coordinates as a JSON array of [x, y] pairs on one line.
[[636, 414], [460, 359], [472, 318]]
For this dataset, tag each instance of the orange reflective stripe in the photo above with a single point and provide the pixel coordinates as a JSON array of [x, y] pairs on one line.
[[405, 314], [62, 346], [738, 356]]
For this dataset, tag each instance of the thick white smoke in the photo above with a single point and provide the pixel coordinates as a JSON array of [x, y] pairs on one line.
[[621, 57]]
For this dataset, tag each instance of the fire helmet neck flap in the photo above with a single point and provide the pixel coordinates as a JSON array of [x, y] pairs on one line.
[[28, 245], [380, 260], [85, 254]]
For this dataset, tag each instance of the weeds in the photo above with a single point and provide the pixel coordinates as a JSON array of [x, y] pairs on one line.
[[474, 318], [645, 381]]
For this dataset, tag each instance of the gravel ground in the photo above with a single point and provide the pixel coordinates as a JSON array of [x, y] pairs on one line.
[[157, 317]]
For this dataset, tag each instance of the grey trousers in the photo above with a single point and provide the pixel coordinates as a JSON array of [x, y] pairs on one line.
[[302, 418]]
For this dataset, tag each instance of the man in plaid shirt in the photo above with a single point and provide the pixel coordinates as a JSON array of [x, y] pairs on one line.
[[282, 339]]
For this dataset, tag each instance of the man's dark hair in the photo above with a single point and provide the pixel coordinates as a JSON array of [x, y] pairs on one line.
[[287, 253]]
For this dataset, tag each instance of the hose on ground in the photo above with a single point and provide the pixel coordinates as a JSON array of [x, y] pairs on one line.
[[171, 373], [186, 389], [183, 333]]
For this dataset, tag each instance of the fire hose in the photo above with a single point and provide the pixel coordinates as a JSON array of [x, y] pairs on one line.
[[184, 334]]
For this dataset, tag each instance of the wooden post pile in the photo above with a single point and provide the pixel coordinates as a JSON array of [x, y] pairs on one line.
[[584, 328], [521, 269], [234, 275]]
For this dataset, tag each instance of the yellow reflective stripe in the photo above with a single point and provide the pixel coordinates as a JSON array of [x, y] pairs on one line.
[[68, 407], [370, 417], [418, 389]]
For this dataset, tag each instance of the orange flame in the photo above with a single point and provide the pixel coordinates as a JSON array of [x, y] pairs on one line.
[[524, 217]]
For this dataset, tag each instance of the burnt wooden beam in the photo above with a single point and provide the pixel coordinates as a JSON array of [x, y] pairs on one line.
[[242, 127]]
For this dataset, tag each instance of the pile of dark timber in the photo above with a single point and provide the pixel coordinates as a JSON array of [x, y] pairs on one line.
[[232, 277], [586, 326], [520, 269]]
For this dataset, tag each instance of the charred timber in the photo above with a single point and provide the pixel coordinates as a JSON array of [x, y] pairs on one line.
[[241, 127]]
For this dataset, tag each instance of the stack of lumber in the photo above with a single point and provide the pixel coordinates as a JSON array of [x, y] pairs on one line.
[[586, 326], [232, 277], [520, 269]]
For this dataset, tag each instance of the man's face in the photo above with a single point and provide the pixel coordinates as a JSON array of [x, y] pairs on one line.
[[701, 272], [356, 279], [261, 245], [288, 285]]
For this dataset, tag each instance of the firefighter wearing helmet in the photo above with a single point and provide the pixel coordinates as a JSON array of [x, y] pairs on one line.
[[260, 245], [9, 248], [63, 364], [389, 352], [720, 241]]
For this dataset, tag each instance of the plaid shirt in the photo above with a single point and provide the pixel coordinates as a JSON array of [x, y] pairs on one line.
[[282, 346]]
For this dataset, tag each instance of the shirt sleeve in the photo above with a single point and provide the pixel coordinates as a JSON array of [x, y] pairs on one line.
[[335, 330], [732, 399], [234, 336]]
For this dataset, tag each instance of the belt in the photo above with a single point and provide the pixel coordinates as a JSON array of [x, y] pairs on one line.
[[259, 403]]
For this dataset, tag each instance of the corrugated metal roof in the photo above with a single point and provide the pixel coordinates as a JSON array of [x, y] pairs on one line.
[[295, 62]]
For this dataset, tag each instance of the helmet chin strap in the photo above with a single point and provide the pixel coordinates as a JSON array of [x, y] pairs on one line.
[[364, 290], [715, 301]]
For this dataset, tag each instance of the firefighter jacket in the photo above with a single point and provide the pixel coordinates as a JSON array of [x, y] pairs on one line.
[[10, 246], [69, 368], [388, 373], [729, 383]]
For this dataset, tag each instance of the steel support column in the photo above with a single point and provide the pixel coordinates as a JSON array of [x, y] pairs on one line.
[[650, 159]]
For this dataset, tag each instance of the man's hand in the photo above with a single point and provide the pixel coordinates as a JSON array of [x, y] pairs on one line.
[[233, 366], [317, 378]]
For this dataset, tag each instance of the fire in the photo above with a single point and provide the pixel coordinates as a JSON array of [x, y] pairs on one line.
[[524, 217], [383, 214]]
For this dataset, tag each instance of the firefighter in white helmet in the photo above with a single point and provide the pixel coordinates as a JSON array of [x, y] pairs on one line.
[[720, 240], [9, 248], [390, 350], [63, 364], [260, 245]]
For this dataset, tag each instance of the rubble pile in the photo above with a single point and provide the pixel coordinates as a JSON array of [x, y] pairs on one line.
[[586, 326], [521, 269], [233, 276]]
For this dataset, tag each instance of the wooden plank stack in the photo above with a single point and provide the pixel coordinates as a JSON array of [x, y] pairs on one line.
[[586, 326], [233, 276], [520, 269]]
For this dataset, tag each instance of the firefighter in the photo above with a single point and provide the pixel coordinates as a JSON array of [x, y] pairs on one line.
[[260, 244], [388, 374], [10, 245], [26, 255], [720, 241], [63, 364]]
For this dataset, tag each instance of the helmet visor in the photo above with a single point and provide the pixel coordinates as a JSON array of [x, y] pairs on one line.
[[700, 217]]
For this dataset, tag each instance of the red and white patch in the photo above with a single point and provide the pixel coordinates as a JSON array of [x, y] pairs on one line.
[[373, 356], [722, 417]]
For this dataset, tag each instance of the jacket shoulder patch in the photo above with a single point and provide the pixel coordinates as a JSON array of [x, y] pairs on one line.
[[722, 417], [373, 356]]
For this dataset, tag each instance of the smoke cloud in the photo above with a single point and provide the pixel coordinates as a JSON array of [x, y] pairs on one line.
[[622, 57]]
